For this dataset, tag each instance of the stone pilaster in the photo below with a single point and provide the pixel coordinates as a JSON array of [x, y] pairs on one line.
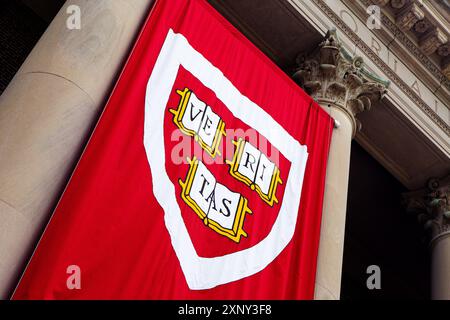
[[344, 88]]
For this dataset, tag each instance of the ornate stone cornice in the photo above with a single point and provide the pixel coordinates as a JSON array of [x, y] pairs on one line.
[[446, 66], [412, 47], [408, 16], [432, 207], [432, 40], [383, 65], [381, 3], [422, 16], [331, 76]]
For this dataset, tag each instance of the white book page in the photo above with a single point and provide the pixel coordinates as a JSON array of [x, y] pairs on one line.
[[194, 112], [224, 209], [264, 174], [249, 161], [208, 127], [202, 187]]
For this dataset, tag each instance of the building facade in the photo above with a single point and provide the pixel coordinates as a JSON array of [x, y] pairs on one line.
[[380, 68]]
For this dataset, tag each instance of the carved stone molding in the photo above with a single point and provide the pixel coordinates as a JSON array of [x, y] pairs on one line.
[[412, 47], [409, 16], [380, 3], [383, 65], [432, 206], [416, 15], [331, 76], [444, 50], [446, 66], [432, 40], [422, 26], [397, 4]]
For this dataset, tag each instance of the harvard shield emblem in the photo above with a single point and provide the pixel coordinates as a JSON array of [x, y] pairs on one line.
[[229, 177]]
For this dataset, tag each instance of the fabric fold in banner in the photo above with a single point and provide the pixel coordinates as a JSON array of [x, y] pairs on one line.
[[203, 179]]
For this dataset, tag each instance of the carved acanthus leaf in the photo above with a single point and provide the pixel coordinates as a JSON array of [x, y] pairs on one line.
[[432, 206], [330, 75]]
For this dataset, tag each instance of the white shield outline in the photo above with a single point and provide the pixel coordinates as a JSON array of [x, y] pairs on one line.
[[204, 273]]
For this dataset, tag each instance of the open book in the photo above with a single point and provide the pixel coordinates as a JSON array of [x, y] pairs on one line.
[[220, 208], [252, 167], [195, 118]]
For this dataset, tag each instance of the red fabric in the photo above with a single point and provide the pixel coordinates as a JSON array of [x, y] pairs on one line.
[[108, 221]]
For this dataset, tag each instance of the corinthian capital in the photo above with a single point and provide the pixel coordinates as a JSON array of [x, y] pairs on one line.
[[331, 76], [432, 206]]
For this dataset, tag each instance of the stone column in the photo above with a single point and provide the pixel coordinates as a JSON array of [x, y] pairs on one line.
[[432, 206], [343, 88], [47, 113]]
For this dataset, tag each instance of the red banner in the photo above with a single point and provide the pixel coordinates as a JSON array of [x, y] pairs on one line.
[[203, 179]]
